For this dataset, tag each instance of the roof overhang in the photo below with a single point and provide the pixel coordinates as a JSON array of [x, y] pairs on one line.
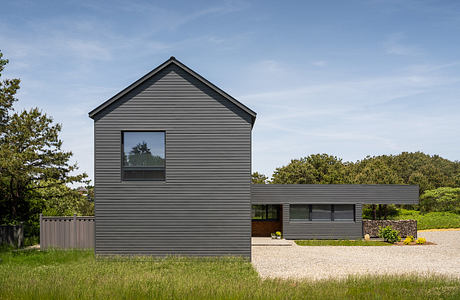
[[334, 193]]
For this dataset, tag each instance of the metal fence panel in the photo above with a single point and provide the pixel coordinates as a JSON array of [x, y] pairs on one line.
[[66, 232]]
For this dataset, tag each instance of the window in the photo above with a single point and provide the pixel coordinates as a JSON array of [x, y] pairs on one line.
[[299, 212], [143, 155], [344, 212], [265, 212], [322, 212]]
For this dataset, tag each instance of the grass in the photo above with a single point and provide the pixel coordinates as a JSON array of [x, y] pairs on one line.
[[78, 275], [431, 220], [341, 243]]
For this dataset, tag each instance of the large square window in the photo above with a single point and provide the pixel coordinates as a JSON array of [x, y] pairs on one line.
[[143, 155]]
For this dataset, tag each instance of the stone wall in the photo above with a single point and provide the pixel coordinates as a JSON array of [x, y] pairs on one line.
[[405, 227]]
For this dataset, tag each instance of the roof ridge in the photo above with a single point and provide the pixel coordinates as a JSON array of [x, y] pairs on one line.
[[152, 73]]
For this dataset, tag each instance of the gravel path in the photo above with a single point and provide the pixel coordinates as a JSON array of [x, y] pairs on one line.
[[320, 262]]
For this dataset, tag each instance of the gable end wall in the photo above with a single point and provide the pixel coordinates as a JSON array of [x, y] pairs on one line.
[[203, 207]]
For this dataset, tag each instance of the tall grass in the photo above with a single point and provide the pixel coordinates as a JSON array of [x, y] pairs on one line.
[[78, 275]]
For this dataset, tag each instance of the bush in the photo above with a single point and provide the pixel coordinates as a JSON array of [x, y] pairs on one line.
[[441, 199], [389, 234], [407, 241], [421, 241]]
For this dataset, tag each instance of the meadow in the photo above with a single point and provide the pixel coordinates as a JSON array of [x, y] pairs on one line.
[[55, 274]]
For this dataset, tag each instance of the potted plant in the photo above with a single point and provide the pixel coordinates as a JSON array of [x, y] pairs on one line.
[[278, 235], [273, 235]]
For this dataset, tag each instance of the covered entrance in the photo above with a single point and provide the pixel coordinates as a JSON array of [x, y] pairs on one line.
[[266, 219]]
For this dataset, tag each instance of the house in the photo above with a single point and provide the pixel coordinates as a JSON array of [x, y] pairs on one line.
[[173, 176]]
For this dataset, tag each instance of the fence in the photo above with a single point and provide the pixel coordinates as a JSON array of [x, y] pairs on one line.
[[66, 232], [12, 235]]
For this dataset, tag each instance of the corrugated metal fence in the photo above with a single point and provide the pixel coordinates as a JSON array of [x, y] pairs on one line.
[[66, 232], [12, 235]]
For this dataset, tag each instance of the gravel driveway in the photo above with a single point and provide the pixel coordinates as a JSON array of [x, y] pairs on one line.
[[319, 262]]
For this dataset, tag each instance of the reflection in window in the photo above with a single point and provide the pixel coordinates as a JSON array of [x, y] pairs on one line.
[[322, 212], [143, 155], [265, 212], [299, 212], [344, 212]]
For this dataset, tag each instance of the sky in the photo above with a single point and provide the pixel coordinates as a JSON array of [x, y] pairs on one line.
[[347, 78]]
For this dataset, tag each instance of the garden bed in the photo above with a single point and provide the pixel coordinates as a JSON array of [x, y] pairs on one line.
[[341, 243], [413, 244]]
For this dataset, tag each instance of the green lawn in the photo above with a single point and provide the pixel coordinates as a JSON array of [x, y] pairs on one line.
[[431, 220], [341, 243], [78, 275]]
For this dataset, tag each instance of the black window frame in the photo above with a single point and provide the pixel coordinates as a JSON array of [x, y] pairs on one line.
[[122, 168], [332, 210], [266, 213]]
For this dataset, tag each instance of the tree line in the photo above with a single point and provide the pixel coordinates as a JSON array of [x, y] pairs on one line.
[[426, 171], [429, 172], [35, 172]]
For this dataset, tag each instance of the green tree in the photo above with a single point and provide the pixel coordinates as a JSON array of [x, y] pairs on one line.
[[61, 200], [441, 199], [259, 178], [31, 159], [316, 168], [8, 89]]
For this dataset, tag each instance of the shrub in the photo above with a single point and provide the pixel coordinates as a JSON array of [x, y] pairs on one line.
[[421, 241], [441, 199], [389, 234], [411, 238], [278, 233], [407, 241]]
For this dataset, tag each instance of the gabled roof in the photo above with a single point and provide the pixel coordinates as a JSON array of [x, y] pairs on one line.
[[170, 61]]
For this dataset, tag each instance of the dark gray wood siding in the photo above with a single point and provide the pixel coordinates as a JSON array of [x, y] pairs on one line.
[[322, 230], [203, 206], [334, 193], [358, 195]]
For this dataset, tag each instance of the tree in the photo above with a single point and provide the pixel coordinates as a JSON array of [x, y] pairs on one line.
[[441, 199], [8, 89], [316, 168], [62, 200], [258, 178], [31, 159]]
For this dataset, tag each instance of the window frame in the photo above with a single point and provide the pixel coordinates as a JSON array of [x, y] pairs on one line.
[[266, 213], [122, 150], [332, 212]]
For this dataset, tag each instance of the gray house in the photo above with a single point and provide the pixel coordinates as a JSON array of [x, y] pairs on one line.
[[173, 176]]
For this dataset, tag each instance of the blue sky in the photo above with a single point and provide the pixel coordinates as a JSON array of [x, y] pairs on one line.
[[348, 78]]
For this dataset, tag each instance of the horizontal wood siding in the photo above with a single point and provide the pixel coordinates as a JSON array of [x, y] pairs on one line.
[[322, 230], [334, 193], [203, 206]]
